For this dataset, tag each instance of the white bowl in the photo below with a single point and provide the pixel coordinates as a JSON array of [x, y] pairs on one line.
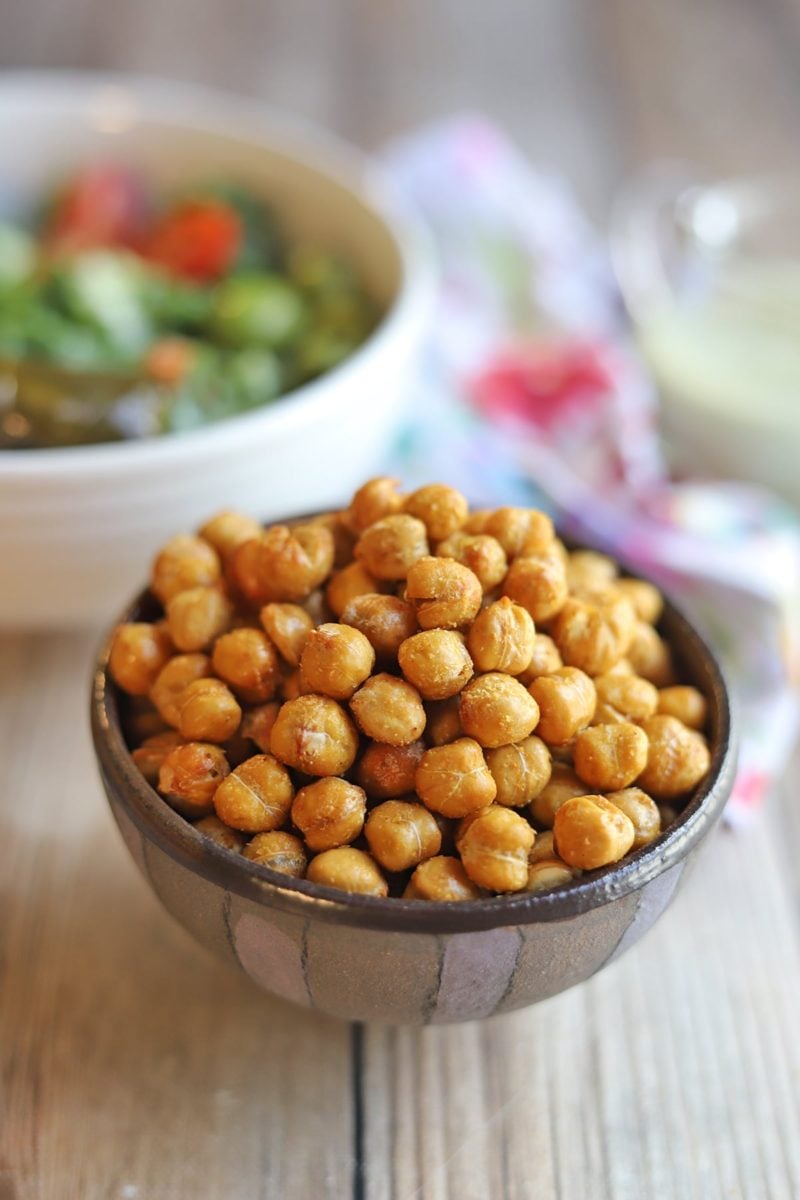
[[78, 525]]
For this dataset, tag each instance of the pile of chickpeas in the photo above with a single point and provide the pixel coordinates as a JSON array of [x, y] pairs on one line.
[[405, 698]]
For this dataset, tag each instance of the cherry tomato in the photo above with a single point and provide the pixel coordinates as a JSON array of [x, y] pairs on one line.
[[102, 206], [198, 240]]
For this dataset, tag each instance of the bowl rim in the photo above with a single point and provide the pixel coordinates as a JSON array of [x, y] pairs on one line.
[[246, 119], [178, 838]]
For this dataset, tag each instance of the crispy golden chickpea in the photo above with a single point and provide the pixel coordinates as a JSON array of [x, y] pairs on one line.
[[329, 813], [281, 852], [496, 709], [539, 584], [256, 796], [646, 599], [190, 775], [386, 772], [143, 720], [197, 616], [257, 724], [590, 568], [389, 547], [385, 620], [292, 686], [336, 660], [609, 757], [401, 834], [476, 521], [545, 659], [139, 651], [346, 585], [548, 873], [284, 563], [592, 637], [501, 638], [436, 662], [209, 711], [314, 735], [172, 681], [684, 702], [248, 662], [388, 709], [650, 656], [484, 556], [566, 700], [227, 530], [185, 562], [222, 834], [591, 832], [349, 870], [520, 771], [623, 698], [641, 810], [543, 848], [344, 539], [677, 760], [444, 721], [154, 749], [317, 608], [441, 509], [374, 500], [443, 879], [454, 779], [287, 626], [495, 848], [444, 593], [520, 530], [562, 786]]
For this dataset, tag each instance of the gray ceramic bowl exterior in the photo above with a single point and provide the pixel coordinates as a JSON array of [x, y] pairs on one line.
[[408, 962]]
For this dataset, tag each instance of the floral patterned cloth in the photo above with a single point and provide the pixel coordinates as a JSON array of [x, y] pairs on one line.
[[533, 393]]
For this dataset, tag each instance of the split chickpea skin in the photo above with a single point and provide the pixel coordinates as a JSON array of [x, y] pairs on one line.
[[405, 698]]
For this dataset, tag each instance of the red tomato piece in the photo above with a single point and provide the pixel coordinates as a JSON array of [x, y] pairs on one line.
[[102, 206], [198, 240]]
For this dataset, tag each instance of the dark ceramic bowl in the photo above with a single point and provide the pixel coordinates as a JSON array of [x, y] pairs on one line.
[[403, 961]]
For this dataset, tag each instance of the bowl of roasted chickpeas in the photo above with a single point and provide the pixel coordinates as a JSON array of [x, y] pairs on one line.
[[404, 762]]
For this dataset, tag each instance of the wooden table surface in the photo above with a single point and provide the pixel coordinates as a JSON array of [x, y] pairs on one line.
[[135, 1067]]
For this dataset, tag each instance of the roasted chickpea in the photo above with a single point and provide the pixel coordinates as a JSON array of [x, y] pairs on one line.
[[317, 608], [219, 832], [281, 852], [441, 509], [562, 786], [143, 720], [543, 848], [154, 749], [484, 556], [336, 660], [684, 702], [539, 584], [138, 653], [375, 499], [284, 563], [197, 616], [444, 721], [548, 873], [292, 686], [494, 849], [520, 771], [349, 870], [501, 638], [589, 568], [256, 796], [314, 735], [248, 662], [172, 681], [287, 626], [257, 724], [346, 585], [208, 711], [641, 810], [650, 656], [454, 779], [385, 620], [386, 772], [329, 813], [623, 698], [566, 700], [477, 519], [441, 878], [190, 775], [593, 637], [545, 659], [646, 599], [401, 834], [388, 709], [389, 547], [591, 832], [344, 538], [677, 760], [520, 531], [444, 593], [610, 757], [227, 530], [496, 709], [185, 562], [437, 662]]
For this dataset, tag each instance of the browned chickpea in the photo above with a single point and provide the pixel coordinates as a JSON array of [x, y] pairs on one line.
[[392, 545], [314, 735], [197, 616], [641, 810], [494, 850], [349, 870], [256, 796], [548, 873], [543, 848], [336, 660], [287, 626], [566, 700], [444, 721], [292, 686], [208, 711], [317, 608], [444, 593], [610, 757], [173, 680], [329, 813], [591, 832], [227, 530], [520, 530], [650, 656], [520, 770], [677, 760], [257, 724], [562, 786], [496, 709], [545, 659], [385, 620], [222, 834], [623, 698], [442, 879], [138, 653], [593, 637], [646, 599], [375, 499], [344, 538], [248, 662], [185, 562], [484, 556], [501, 638], [401, 834], [386, 772], [387, 709], [667, 814], [454, 780], [539, 584], [684, 702], [284, 563], [152, 752], [441, 509], [143, 720], [589, 568], [190, 775], [281, 852], [352, 581], [437, 662]]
